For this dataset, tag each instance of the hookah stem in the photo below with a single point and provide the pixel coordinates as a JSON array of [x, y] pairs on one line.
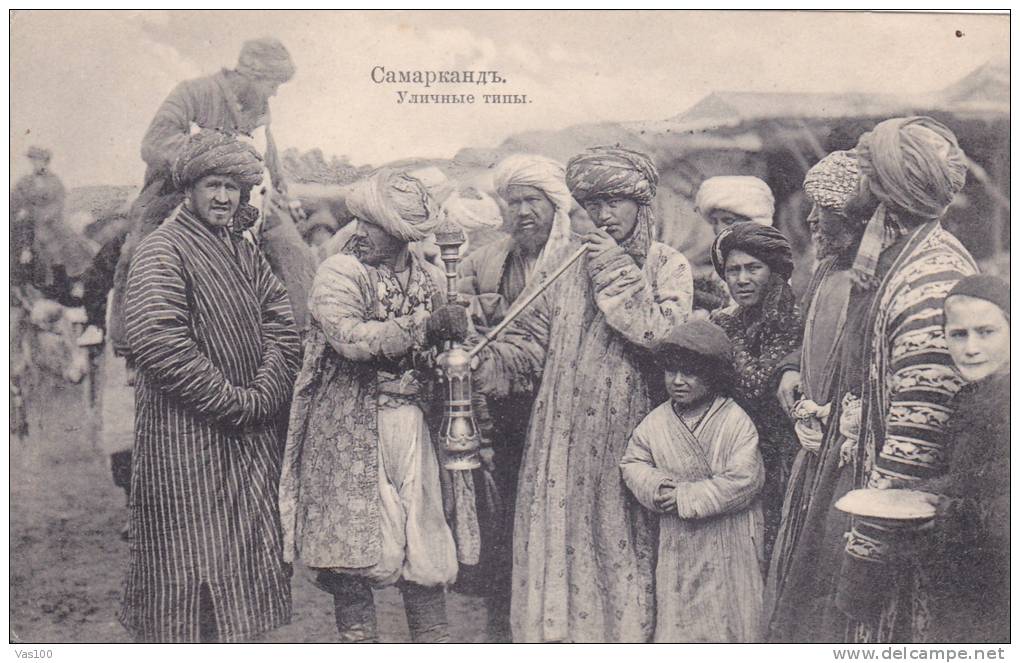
[[524, 303]]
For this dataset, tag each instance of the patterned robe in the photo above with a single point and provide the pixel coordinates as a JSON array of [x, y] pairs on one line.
[[363, 355], [708, 581], [906, 398], [216, 352], [583, 547]]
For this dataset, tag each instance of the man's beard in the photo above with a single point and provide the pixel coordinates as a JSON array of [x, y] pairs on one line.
[[840, 244], [529, 241]]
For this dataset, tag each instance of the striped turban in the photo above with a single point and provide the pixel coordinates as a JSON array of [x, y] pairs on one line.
[[738, 194], [913, 163], [396, 202], [547, 176], [265, 58], [612, 172], [834, 181], [763, 242], [211, 152]]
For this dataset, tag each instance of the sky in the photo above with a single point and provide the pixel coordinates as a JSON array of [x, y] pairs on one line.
[[87, 83]]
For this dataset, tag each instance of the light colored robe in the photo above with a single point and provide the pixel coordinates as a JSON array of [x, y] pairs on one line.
[[708, 576], [583, 548]]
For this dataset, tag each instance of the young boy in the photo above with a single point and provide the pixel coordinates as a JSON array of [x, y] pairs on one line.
[[694, 460]]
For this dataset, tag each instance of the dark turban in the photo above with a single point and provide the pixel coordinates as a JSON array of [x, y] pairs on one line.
[[983, 286], [612, 172], [763, 242], [211, 152], [913, 163], [265, 58]]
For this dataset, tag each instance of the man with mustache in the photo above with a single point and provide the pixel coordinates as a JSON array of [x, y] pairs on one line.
[[360, 495], [493, 277], [584, 548], [213, 338], [233, 100], [814, 381]]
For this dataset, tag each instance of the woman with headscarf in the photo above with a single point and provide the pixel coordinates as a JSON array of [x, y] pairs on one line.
[[756, 262], [360, 497], [897, 405], [583, 547], [694, 463]]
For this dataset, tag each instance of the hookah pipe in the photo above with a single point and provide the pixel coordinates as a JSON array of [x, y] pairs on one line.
[[459, 430]]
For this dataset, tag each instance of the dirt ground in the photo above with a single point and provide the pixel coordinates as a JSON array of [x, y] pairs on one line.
[[67, 561]]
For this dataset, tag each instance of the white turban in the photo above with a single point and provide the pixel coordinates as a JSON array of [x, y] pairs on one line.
[[548, 176], [738, 194]]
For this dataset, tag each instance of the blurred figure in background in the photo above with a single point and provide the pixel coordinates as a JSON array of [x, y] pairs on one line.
[[729, 199], [45, 251]]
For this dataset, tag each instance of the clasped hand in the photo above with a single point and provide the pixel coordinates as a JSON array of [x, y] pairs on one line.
[[665, 496]]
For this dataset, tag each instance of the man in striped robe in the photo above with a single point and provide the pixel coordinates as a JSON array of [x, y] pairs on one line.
[[216, 349], [905, 266]]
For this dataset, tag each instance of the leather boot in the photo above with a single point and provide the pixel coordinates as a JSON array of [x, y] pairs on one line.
[[353, 606], [426, 612]]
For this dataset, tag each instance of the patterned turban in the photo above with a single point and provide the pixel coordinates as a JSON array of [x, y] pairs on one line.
[[834, 181], [396, 202], [548, 176], [612, 172], [211, 152], [913, 163], [36, 152], [265, 58], [763, 242], [738, 194]]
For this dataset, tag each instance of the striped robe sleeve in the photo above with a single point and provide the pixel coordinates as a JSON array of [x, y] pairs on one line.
[[922, 383], [158, 326], [278, 330], [337, 302]]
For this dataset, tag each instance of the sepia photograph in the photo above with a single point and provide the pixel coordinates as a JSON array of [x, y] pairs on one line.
[[517, 326]]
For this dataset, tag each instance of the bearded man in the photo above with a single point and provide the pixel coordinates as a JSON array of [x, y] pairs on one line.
[[492, 278], [361, 494], [214, 342], [583, 568], [810, 387]]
